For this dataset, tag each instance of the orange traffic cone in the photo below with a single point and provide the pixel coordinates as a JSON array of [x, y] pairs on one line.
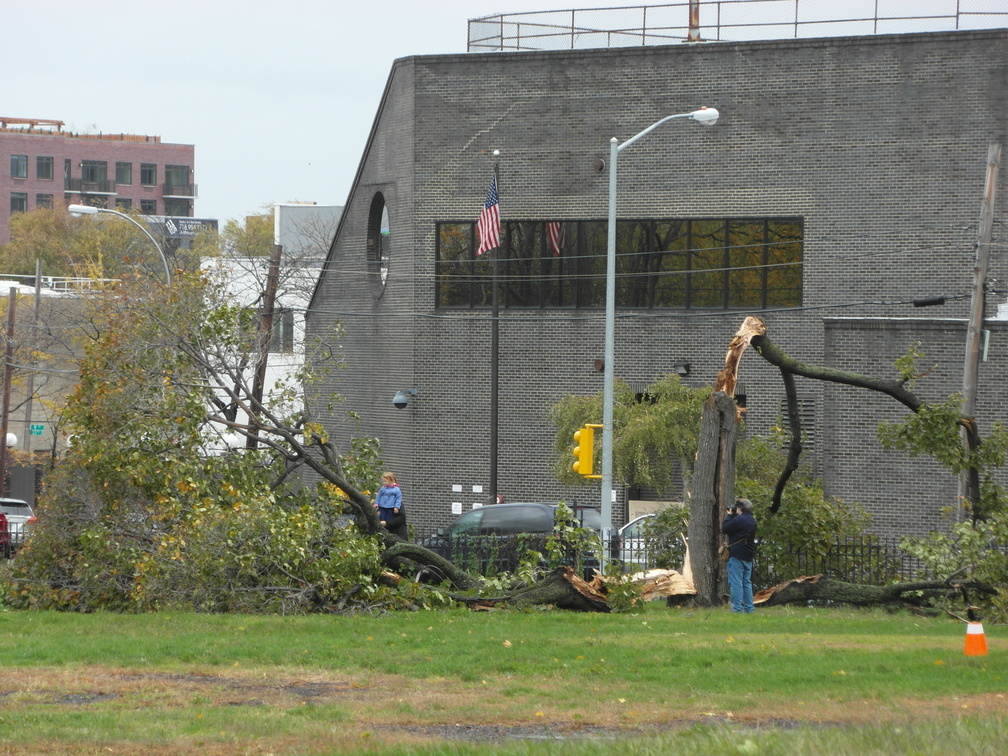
[[976, 643]]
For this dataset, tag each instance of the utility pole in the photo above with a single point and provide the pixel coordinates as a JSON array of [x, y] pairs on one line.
[[266, 333], [969, 484], [8, 371]]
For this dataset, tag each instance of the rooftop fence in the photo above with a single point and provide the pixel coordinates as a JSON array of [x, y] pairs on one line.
[[726, 21]]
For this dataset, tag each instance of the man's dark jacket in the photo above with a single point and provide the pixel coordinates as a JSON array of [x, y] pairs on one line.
[[741, 532]]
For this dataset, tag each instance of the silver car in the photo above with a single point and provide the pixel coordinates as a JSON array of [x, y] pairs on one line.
[[20, 518], [633, 544]]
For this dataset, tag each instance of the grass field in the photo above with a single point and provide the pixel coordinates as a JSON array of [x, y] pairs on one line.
[[782, 681]]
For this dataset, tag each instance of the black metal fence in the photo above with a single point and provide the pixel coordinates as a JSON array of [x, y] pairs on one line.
[[865, 560]]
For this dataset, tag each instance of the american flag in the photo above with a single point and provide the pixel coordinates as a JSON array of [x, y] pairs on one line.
[[488, 227], [555, 234]]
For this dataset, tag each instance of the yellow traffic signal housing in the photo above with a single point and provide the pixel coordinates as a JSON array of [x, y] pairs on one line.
[[584, 451]]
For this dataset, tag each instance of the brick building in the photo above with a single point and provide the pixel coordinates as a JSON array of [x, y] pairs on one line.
[[843, 180], [44, 165]]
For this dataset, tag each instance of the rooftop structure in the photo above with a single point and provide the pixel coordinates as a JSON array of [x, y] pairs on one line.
[[722, 21]]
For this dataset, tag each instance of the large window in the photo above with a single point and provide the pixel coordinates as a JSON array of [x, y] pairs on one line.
[[44, 167], [124, 173], [180, 208], [19, 202], [148, 207], [44, 200], [282, 336], [148, 174], [745, 263], [19, 166], [177, 179]]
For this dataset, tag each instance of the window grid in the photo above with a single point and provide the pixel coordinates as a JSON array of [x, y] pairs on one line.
[[745, 263], [19, 202], [44, 167], [148, 174], [19, 166]]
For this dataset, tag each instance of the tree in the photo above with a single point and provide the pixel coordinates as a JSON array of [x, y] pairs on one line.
[[973, 552], [657, 432], [148, 510], [102, 247]]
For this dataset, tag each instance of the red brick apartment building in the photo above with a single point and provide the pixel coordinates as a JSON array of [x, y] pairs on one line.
[[43, 166]]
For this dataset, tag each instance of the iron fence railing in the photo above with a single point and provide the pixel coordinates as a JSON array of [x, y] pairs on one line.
[[865, 560], [723, 21]]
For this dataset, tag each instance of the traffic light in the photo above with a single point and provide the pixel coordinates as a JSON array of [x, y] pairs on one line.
[[584, 451]]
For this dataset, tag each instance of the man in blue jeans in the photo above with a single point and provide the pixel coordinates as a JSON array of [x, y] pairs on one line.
[[740, 527]]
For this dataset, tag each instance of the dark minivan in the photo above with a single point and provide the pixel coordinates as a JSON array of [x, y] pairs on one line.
[[496, 534]]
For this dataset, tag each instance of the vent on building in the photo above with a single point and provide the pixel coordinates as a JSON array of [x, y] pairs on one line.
[[806, 414]]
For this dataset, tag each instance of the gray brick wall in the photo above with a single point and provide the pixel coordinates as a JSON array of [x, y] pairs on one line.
[[879, 143]]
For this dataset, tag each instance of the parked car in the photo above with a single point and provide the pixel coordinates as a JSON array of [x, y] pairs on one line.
[[20, 518], [490, 538], [633, 548], [4, 537]]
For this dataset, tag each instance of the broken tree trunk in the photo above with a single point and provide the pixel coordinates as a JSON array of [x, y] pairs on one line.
[[562, 588], [714, 472], [436, 567], [713, 483], [819, 588]]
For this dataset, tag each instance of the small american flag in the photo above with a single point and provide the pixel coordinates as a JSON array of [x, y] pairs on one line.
[[555, 234], [488, 227]]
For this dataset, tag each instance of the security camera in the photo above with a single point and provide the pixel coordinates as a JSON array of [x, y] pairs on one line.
[[401, 399]]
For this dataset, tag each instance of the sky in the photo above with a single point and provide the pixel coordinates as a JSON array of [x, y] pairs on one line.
[[278, 97]]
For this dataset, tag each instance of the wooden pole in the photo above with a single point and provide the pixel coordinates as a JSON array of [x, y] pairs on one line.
[[969, 486], [266, 332]]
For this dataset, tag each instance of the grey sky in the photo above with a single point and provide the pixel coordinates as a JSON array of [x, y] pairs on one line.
[[278, 97]]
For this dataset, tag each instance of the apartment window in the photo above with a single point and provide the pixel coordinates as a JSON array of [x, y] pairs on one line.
[[124, 173], [44, 200], [282, 336], [177, 176], [179, 208], [94, 172], [124, 204], [747, 263], [19, 166], [44, 167], [19, 202], [148, 174], [148, 206]]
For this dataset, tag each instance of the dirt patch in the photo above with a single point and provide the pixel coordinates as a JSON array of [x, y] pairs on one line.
[[428, 710]]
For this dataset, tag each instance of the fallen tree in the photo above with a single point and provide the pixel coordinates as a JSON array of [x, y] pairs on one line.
[[828, 590]]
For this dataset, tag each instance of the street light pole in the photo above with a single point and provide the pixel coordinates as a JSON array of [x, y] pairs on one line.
[[708, 117], [79, 210]]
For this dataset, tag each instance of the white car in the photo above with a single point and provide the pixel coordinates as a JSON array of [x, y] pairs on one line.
[[633, 545], [20, 518]]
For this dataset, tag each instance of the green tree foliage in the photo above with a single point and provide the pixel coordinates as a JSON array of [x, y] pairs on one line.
[[655, 433], [253, 238], [102, 246], [142, 515], [974, 546]]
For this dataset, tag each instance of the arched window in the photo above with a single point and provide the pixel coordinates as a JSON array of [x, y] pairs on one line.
[[378, 243]]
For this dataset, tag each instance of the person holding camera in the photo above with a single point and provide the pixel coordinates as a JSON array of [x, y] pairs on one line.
[[740, 527]]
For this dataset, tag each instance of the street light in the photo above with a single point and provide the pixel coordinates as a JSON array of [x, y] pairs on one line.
[[708, 117], [80, 210]]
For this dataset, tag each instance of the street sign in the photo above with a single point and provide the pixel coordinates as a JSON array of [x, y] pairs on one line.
[[37, 428]]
